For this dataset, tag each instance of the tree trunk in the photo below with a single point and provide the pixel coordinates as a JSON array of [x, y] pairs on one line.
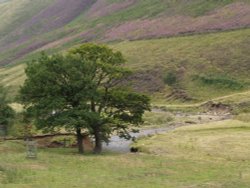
[[79, 140], [98, 141]]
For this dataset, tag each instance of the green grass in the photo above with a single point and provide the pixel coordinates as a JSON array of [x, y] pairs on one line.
[[221, 59], [158, 119], [245, 117], [221, 56], [212, 155], [12, 78]]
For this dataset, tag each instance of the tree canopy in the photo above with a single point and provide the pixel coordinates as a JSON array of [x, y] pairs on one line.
[[83, 90]]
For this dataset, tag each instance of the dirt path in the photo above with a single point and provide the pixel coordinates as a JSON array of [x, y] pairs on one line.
[[217, 99]]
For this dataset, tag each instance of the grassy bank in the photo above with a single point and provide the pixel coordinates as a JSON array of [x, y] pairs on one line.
[[211, 155]]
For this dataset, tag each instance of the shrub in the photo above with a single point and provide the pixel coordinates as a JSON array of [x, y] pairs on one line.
[[219, 81], [170, 78]]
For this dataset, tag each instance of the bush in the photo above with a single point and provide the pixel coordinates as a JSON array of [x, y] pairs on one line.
[[170, 78], [219, 81]]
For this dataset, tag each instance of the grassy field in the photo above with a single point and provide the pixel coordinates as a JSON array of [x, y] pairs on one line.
[[12, 78], [211, 155]]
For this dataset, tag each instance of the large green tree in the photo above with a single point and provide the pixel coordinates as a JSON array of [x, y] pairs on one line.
[[6, 112], [83, 90]]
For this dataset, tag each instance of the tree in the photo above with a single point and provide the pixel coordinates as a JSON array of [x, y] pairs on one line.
[[83, 90], [6, 112]]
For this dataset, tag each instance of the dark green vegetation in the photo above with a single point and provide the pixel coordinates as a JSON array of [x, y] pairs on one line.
[[7, 114], [83, 91], [219, 81]]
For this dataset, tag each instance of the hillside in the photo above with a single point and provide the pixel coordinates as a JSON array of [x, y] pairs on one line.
[[205, 66], [27, 26]]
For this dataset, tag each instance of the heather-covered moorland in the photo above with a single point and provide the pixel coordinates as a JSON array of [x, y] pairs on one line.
[[28, 26]]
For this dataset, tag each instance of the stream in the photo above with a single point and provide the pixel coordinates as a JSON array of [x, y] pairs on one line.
[[121, 145]]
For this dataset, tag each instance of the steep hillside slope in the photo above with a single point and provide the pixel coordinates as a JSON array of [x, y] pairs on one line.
[[26, 20], [203, 66], [27, 26]]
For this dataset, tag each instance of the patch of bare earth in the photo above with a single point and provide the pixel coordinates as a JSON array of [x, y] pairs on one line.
[[179, 94], [217, 108], [148, 81], [233, 16]]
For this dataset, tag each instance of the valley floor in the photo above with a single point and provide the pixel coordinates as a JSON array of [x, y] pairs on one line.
[[207, 155]]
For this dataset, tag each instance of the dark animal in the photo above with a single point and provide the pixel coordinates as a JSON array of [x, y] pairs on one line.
[[134, 150]]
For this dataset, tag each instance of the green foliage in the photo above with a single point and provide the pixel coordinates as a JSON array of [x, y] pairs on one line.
[[6, 112], [83, 89], [23, 125], [170, 78], [219, 81]]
